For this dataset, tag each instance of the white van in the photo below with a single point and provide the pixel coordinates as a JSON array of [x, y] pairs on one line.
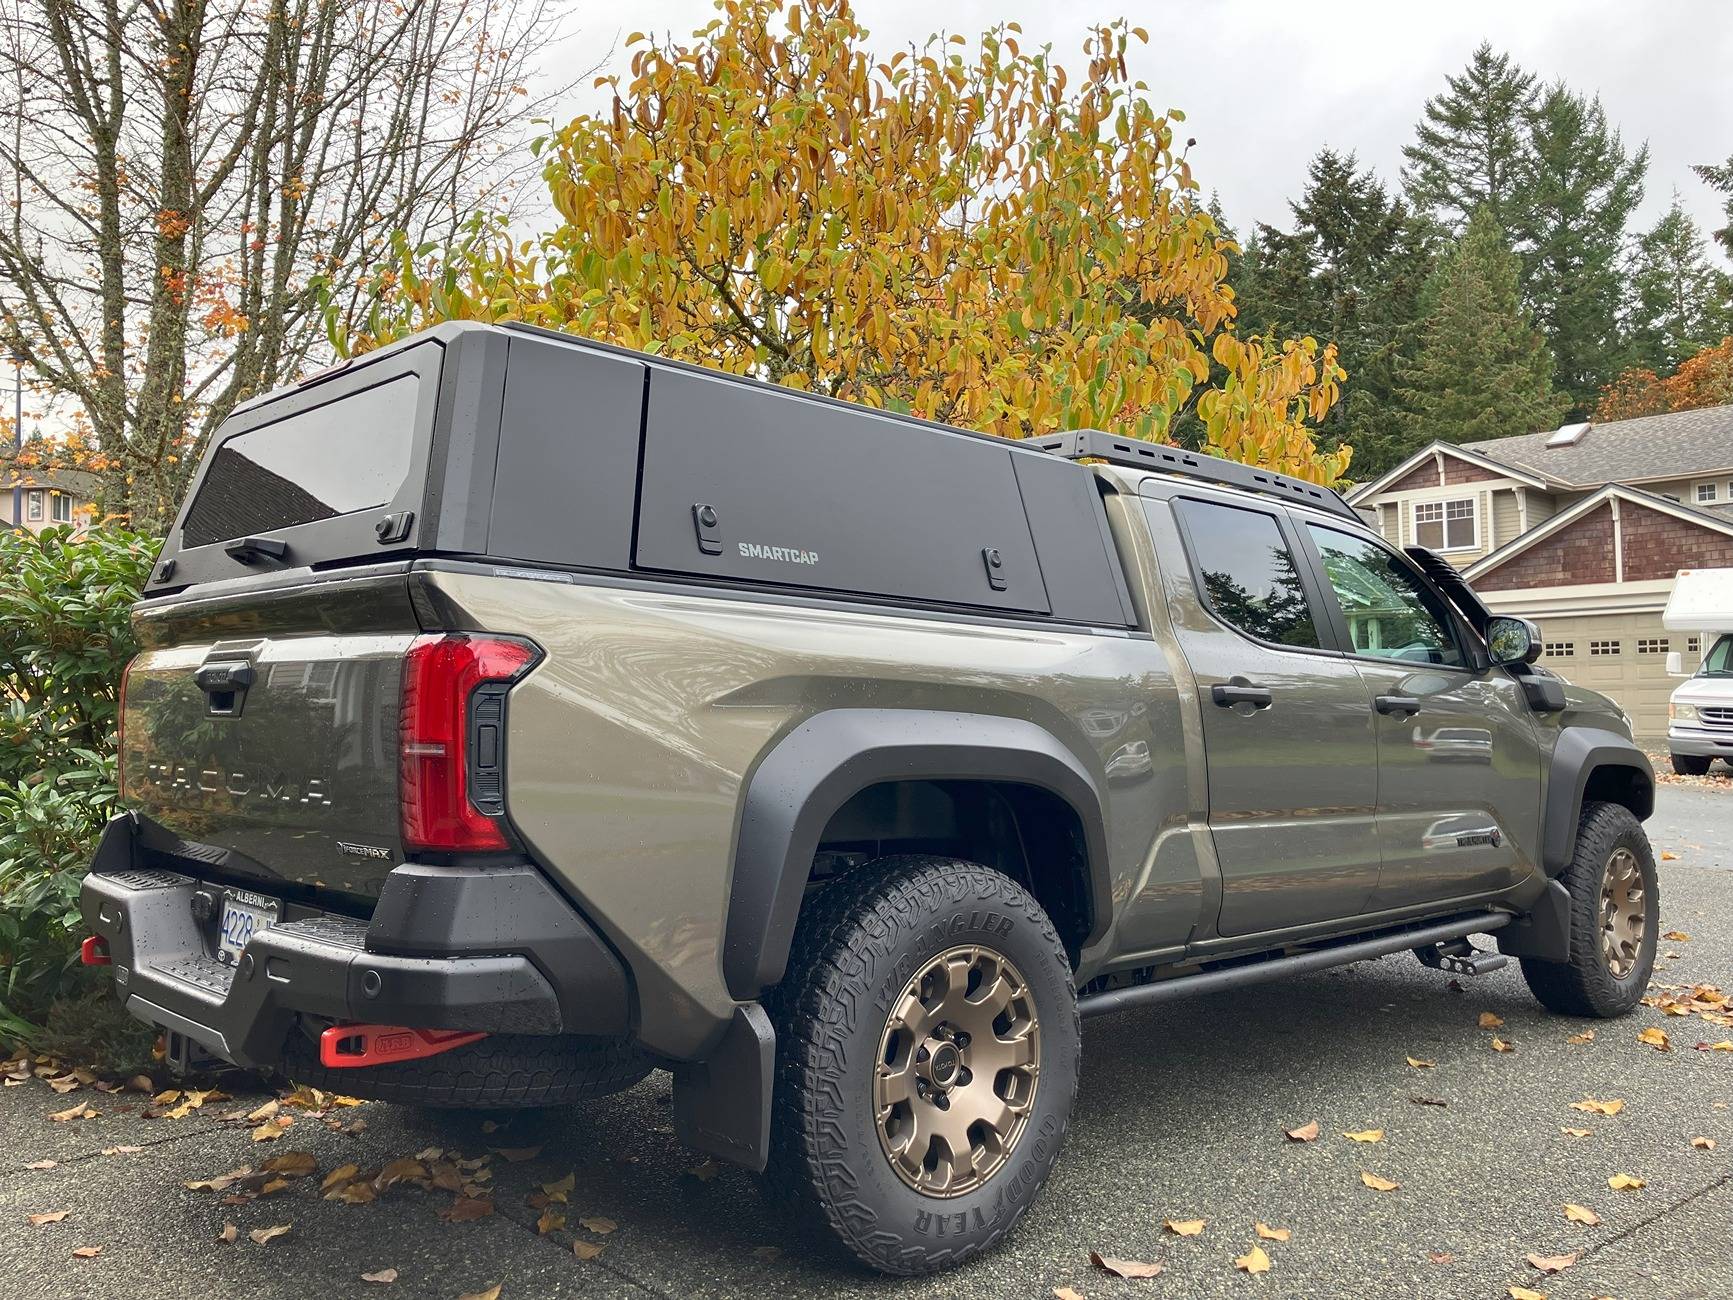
[[1700, 713]]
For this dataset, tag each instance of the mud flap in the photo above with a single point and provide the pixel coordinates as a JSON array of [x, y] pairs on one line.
[[1544, 933], [722, 1104]]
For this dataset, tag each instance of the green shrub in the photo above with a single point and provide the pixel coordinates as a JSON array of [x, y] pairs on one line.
[[64, 638]]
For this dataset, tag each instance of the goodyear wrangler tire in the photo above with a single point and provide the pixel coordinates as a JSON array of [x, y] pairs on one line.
[[505, 1071], [927, 1054], [1615, 920]]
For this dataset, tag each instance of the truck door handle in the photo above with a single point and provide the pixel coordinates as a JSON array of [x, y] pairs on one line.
[[1240, 691], [1396, 704]]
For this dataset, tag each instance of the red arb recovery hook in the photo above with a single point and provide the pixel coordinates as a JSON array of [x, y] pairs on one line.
[[343, 1047], [94, 951]]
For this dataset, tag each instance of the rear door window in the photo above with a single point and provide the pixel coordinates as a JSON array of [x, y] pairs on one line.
[[333, 460], [1249, 575]]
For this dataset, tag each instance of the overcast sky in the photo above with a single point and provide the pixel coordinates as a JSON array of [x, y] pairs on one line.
[[1264, 85]]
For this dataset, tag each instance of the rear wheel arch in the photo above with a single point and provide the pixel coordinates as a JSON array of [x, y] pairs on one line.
[[1016, 797]]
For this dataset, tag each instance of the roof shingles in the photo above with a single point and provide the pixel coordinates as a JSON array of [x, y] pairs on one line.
[[1678, 444]]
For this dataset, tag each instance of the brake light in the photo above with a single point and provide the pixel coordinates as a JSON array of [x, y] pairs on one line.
[[120, 731], [447, 703]]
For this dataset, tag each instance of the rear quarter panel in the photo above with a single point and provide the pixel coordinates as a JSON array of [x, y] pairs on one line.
[[630, 745]]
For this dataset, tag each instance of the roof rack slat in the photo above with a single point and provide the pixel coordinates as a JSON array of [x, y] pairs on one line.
[[1079, 444]]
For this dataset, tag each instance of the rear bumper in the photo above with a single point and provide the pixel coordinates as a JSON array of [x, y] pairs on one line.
[[493, 949], [1697, 741]]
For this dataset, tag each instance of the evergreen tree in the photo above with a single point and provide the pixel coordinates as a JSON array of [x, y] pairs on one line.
[[1469, 151], [1679, 303], [1481, 369], [1721, 178], [1576, 190]]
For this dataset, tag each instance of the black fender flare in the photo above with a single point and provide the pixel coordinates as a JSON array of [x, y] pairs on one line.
[[1578, 755], [818, 766]]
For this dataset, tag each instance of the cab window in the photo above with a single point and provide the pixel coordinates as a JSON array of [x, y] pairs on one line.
[[1248, 573], [1719, 661], [1390, 612]]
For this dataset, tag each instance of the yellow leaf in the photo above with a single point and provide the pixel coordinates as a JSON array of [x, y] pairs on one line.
[[1499, 1045], [1676, 936], [1272, 1234], [492, 1293], [1575, 1132], [1655, 1038], [1490, 1021], [1305, 1133], [1184, 1227], [1582, 1214], [1254, 1261], [1366, 1135], [291, 1164], [562, 1189], [1419, 1064], [1523, 1293], [1703, 1144], [261, 1235], [1612, 1107], [551, 1220], [1378, 1184], [338, 1176], [1625, 1183], [48, 1216], [1587, 1036]]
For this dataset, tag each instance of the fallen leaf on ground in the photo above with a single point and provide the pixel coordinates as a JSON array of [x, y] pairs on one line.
[[1587, 1036], [551, 1221], [1725, 1045], [589, 1249], [43, 1164], [467, 1209], [80, 1111], [1272, 1234], [598, 1224], [1490, 1021], [140, 1083], [1124, 1267], [383, 1275], [1429, 1101], [1667, 855], [1305, 1133], [1612, 1107], [492, 1293], [1366, 1135], [121, 1151], [267, 1132], [356, 1193], [338, 1176], [63, 1085], [1703, 1144], [263, 1112], [291, 1164], [1254, 1261], [1676, 936], [1378, 1184], [1655, 1038], [87, 1252], [1439, 1256], [517, 1155], [1499, 1045], [399, 1170], [706, 1171], [1066, 1293], [1582, 1214], [561, 1190], [1420, 1064], [1625, 1183], [48, 1216], [1523, 1293], [221, 1183], [1576, 1132], [261, 1235], [1553, 1263]]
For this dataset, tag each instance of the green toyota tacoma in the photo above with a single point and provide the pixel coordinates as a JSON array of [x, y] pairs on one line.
[[517, 715]]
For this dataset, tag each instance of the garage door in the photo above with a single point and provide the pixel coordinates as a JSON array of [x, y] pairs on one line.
[[1621, 655]]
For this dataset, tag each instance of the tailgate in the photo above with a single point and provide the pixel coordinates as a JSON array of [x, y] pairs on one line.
[[262, 726]]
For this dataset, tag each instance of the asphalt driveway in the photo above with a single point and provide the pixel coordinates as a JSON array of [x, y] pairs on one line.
[[1181, 1116]]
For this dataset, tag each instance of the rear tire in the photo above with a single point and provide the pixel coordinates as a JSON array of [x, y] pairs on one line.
[[1615, 919], [504, 1071], [1691, 764], [925, 997]]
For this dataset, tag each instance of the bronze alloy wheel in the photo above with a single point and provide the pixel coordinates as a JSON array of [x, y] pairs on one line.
[[958, 1065], [1624, 913]]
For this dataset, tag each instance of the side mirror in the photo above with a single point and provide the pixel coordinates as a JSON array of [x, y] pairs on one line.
[[1676, 664], [1512, 641]]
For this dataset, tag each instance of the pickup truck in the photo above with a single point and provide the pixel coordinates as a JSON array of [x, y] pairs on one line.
[[517, 715]]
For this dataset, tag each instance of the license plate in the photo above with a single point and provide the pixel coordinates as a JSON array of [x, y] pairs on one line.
[[244, 914]]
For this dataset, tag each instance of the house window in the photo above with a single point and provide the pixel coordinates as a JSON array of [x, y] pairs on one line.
[[33, 507], [1559, 649], [1652, 645], [1707, 491], [1603, 647], [1446, 525], [60, 507], [1692, 645]]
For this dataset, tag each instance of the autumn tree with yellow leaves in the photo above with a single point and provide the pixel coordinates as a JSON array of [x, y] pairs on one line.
[[968, 233]]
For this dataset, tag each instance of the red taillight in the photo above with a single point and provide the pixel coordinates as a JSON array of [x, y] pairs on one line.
[[120, 731], [440, 675]]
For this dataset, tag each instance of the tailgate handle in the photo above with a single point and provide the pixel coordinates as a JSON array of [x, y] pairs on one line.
[[224, 685], [244, 550]]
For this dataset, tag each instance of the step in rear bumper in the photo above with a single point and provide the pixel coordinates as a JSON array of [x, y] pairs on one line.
[[437, 954]]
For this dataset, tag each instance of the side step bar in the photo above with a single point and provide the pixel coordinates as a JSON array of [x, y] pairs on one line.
[[1233, 977]]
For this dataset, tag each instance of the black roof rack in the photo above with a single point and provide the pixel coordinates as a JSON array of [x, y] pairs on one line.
[[1093, 443]]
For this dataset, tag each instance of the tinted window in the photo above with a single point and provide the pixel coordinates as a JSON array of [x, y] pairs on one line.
[[1248, 572], [1719, 662], [349, 455], [1391, 613]]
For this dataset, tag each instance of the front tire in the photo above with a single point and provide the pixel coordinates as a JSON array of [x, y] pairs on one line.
[[927, 1054], [1691, 764], [1615, 919]]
